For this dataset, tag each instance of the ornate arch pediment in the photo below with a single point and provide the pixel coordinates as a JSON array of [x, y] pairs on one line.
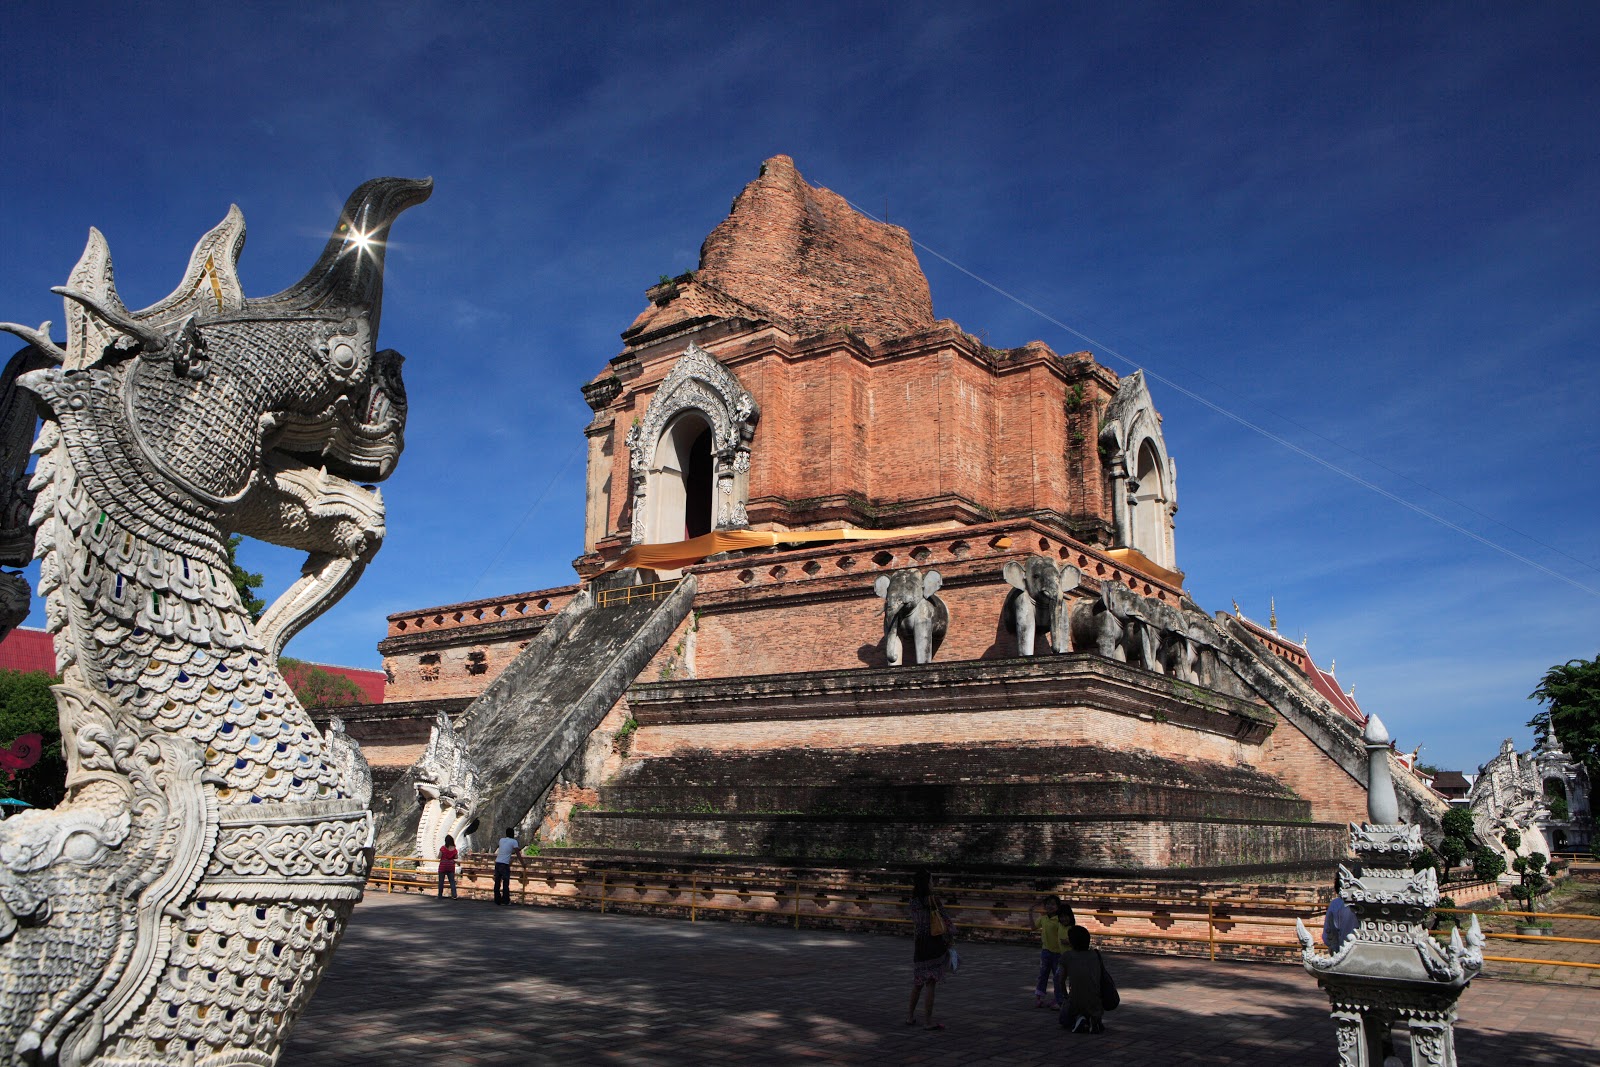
[[1129, 426], [698, 383]]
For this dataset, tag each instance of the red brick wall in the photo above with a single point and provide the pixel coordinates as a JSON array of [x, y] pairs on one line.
[[1335, 795], [903, 428]]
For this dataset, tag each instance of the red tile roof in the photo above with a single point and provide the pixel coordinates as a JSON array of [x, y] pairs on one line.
[[26, 649]]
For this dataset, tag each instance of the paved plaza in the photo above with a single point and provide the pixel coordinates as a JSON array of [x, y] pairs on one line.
[[419, 981]]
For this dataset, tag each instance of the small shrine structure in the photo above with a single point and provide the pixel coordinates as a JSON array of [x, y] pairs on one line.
[[1390, 970]]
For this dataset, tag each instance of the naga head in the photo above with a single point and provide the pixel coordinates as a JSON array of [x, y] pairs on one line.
[[215, 387]]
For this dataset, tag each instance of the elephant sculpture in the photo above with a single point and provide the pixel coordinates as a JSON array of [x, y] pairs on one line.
[[914, 612], [1177, 646], [1119, 626], [1039, 598]]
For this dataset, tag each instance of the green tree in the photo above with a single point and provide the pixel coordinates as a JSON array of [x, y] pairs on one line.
[[1457, 822], [1459, 837], [245, 582], [1453, 850], [1487, 864], [1572, 691], [319, 688], [28, 707]]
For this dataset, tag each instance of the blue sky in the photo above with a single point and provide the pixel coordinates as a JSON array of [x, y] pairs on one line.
[[1373, 230]]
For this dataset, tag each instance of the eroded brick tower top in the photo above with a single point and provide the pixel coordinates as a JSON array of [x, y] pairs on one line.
[[799, 379]]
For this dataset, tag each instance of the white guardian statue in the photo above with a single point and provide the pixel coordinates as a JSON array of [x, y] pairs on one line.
[[180, 905]]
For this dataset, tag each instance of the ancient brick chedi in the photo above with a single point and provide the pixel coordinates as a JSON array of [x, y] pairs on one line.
[[919, 601]]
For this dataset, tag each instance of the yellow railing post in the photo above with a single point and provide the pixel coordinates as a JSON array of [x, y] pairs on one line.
[[694, 896], [797, 903], [603, 876], [1211, 928]]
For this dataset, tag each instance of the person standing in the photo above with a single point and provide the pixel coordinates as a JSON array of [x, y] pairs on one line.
[[1046, 920], [502, 866], [447, 865], [930, 952]]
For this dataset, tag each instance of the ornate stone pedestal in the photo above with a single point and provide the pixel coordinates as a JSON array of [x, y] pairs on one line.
[[1389, 970]]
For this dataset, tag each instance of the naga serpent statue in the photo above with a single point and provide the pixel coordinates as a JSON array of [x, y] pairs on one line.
[[181, 903]]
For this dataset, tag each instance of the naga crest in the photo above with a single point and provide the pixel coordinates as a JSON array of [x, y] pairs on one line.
[[210, 413]]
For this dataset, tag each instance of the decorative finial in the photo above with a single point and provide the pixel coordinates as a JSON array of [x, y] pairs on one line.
[[1272, 619], [1382, 807], [1333, 665], [1236, 609]]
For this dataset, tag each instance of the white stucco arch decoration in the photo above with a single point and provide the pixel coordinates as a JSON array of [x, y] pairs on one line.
[[1144, 477], [697, 383]]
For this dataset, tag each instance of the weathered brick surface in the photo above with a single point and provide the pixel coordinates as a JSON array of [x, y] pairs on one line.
[[873, 412], [456, 650], [927, 428], [803, 257]]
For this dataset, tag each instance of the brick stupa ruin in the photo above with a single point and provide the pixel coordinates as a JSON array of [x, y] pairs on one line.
[[786, 430]]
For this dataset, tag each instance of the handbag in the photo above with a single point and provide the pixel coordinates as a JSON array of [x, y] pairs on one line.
[[1109, 997], [935, 919]]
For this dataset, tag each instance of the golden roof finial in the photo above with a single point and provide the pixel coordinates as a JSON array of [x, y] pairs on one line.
[[1272, 619], [1236, 613]]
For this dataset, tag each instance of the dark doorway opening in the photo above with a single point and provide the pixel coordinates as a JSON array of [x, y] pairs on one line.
[[697, 487]]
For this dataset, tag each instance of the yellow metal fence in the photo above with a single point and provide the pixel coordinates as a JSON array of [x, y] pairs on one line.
[[1188, 925], [629, 594]]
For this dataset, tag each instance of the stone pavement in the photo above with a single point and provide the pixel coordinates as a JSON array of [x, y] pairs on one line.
[[444, 983]]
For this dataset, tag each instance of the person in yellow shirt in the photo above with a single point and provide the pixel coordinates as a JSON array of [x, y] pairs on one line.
[[1047, 919]]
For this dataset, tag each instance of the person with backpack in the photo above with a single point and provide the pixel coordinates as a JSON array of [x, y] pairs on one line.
[[933, 934], [1090, 991]]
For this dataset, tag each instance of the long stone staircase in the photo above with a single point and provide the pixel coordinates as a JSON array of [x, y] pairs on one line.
[[537, 714]]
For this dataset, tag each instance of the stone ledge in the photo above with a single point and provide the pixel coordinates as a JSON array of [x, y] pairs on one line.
[[829, 819], [1077, 679], [426, 710], [470, 633]]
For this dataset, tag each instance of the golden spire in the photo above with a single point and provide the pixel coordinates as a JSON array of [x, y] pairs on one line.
[[1272, 619], [1236, 609]]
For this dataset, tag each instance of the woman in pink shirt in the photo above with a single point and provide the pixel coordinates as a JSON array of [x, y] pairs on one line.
[[447, 865]]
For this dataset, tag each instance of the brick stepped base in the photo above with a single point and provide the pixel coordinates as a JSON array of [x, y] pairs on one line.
[[1130, 843], [945, 781], [1069, 807]]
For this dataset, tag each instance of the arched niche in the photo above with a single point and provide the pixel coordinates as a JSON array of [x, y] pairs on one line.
[[689, 455], [1144, 479], [680, 487]]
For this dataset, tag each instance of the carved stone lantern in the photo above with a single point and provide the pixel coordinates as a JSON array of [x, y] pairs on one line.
[[1389, 969]]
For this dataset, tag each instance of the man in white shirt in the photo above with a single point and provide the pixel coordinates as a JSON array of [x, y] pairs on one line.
[[502, 866]]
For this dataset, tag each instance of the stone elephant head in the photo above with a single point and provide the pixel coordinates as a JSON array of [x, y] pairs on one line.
[[1039, 601], [912, 610]]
